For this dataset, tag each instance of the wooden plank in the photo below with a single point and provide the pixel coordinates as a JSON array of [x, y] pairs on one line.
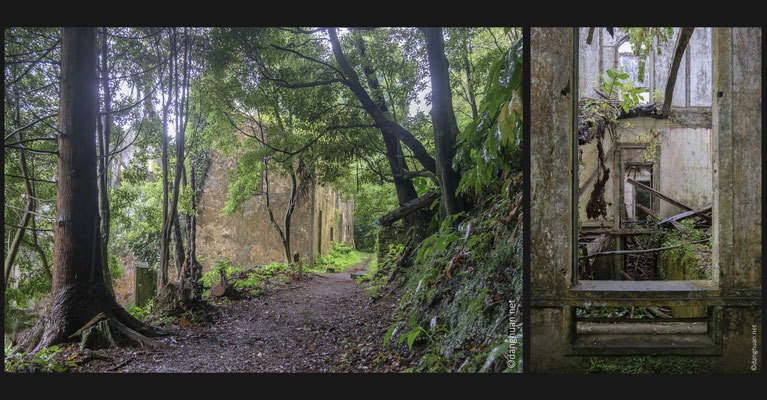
[[686, 214], [596, 245], [655, 215], [660, 195], [618, 232]]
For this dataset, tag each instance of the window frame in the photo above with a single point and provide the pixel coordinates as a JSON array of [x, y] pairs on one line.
[[617, 293]]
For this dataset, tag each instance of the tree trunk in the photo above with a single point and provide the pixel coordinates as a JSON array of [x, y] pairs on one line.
[[194, 270], [681, 44], [382, 122], [162, 273], [78, 291], [312, 213], [408, 208], [178, 241], [172, 219], [284, 235], [103, 163], [443, 121], [14, 248], [404, 186]]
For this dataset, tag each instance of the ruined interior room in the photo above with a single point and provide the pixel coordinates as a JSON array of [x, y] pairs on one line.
[[660, 249]]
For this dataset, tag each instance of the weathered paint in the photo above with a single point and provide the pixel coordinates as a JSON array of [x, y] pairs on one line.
[[686, 168]]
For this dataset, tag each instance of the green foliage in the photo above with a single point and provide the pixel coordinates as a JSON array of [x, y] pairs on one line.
[[339, 258], [619, 87], [42, 361], [459, 285], [213, 277], [115, 272], [644, 39], [652, 152], [684, 262], [250, 279], [393, 254], [656, 364], [491, 144], [244, 181], [371, 202], [141, 313], [136, 209]]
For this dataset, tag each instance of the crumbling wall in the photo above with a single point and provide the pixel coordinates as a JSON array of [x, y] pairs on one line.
[[247, 237]]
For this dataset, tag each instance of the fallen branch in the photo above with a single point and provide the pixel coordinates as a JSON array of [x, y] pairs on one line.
[[408, 208], [90, 323]]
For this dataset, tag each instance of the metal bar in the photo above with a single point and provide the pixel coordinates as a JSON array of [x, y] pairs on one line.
[[642, 320]]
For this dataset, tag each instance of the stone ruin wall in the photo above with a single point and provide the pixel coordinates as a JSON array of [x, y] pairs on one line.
[[248, 238]]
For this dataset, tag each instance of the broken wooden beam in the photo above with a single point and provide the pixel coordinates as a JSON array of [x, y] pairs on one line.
[[590, 36], [681, 44], [596, 245], [620, 232], [659, 194], [666, 198], [408, 208], [686, 214], [90, 323]]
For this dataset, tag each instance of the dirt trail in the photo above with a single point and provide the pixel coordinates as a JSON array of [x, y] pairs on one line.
[[322, 324]]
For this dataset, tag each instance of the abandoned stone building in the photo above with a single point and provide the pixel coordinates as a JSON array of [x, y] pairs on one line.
[[659, 167], [698, 163], [247, 238]]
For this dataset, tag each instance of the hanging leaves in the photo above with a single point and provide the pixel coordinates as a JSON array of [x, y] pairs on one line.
[[491, 143]]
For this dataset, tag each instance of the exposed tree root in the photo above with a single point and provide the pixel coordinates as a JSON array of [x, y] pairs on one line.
[[69, 316]]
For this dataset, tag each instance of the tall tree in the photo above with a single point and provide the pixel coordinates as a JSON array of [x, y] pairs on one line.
[[79, 292], [443, 121], [104, 131]]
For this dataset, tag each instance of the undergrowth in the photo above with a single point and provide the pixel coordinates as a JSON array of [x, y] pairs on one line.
[[252, 280], [455, 309], [340, 258], [647, 365], [43, 360]]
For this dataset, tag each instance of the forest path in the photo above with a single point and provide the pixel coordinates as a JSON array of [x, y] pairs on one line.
[[321, 324]]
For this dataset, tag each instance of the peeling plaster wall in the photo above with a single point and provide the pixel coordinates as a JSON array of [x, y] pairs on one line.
[[684, 168]]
